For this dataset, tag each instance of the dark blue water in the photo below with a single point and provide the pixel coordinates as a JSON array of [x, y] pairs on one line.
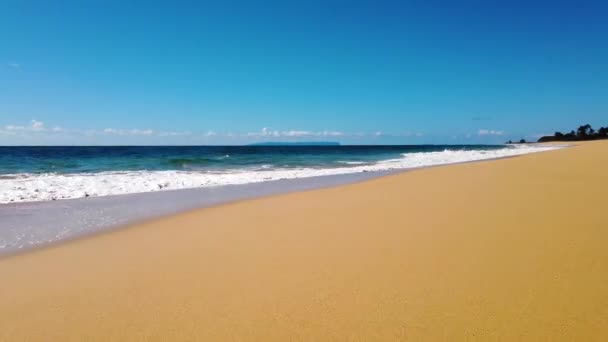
[[76, 159]]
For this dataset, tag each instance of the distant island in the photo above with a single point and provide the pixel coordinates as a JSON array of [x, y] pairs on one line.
[[584, 132], [300, 143]]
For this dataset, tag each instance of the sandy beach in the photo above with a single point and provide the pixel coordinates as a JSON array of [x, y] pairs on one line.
[[509, 249]]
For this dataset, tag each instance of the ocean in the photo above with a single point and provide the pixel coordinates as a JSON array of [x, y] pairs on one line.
[[54, 173]]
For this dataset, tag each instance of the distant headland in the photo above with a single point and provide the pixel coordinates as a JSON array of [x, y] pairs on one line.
[[584, 132], [299, 143]]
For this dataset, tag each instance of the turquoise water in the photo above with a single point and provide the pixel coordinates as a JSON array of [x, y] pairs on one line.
[[55, 173], [73, 159]]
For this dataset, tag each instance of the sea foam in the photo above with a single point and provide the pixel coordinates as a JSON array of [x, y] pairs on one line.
[[51, 186]]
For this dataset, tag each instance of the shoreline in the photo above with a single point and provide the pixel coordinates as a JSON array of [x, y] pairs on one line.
[[35, 187], [508, 249], [132, 209], [83, 218]]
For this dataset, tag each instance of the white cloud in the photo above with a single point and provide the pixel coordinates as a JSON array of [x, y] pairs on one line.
[[37, 131], [37, 125], [265, 132], [135, 132], [489, 132], [298, 133], [110, 131], [141, 132], [14, 65], [14, 128], [173, 134], [128, 131], [332, 134], [34, 125]]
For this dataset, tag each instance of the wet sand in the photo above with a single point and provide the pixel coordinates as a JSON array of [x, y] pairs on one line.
[[30, 225], [510, 249]]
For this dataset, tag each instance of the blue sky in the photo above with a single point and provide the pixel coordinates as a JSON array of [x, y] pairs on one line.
[[103, 72]]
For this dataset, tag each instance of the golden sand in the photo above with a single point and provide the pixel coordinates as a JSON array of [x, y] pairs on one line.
[[511, 249]]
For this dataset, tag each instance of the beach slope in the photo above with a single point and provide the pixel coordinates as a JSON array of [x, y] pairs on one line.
[[510, 249]]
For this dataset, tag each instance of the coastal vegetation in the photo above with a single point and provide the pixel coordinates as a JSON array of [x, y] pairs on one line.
[[584, 132], [522, 141]]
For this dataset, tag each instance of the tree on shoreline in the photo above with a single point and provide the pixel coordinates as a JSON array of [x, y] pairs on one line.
[[584, 132]]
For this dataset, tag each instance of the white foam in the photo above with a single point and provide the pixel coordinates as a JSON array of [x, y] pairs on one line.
[[352, 162], [44, 187]]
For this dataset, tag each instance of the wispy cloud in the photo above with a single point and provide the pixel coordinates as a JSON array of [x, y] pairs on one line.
[[37, 131], [332, 134], [35, 126], [490, 132], [134, 131], [173, 134], [266, 132], [38, 125], [14, 65], [298, 134]]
